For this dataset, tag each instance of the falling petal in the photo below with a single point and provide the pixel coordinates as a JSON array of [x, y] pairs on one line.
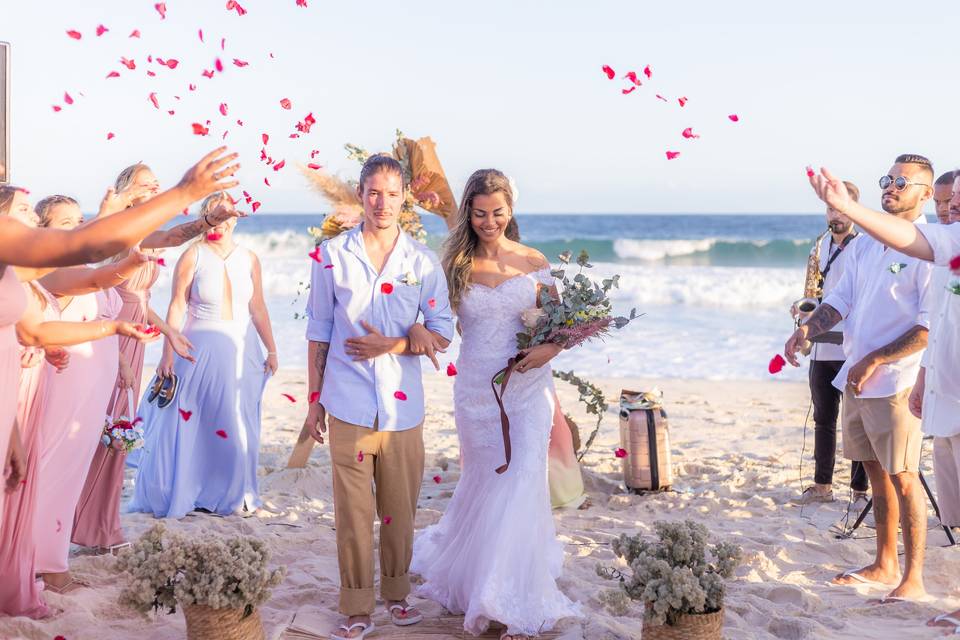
[[660, 97], [301, 3], [113, 74], [223, 108], [199, 129], [161, 8], [610, 72], [153, 99], [239, 123], [151, 74], [101, 30], [207, 73], [237, 62], [632, 77], [265, 138], [266, 182], [688, 133], [329, 266], [314, 396], [161, 262], [387, 519], [135, 33], [76, 35], [647, 72], [672, 155], [630, 90], [279, 165], [734, 117], [386, 288], [682, 101], [315, 254], [810, 172], [451, 370], [110, 136], [254, 206], [776, 364], [437, 479], [286, 104], [186, 415], [314, 166], [399, 395], [360, 456], [432, 303], [218, 65], [67, 98], [200, 33], [289, 397], [129, 64], [222, 433], [620, 453]]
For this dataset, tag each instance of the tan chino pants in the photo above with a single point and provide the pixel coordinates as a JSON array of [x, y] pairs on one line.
[[386, 481]]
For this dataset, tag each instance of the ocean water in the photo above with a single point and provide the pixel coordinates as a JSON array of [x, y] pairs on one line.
[[715, 290]]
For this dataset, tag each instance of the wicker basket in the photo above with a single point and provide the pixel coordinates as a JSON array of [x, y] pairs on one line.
[[206, 623], [697, 626]]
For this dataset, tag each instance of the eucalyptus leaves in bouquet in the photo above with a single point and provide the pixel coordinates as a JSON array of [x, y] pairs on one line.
[[673, 576], [164, 570]]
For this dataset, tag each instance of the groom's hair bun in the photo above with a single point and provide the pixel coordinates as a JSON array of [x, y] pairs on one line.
[[379, 163]]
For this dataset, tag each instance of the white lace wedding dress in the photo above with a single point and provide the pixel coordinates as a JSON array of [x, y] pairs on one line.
[[494, 554]]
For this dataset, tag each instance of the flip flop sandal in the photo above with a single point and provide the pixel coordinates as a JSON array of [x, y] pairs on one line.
[[403, 620], [72, 585], [114, 549], [155, 388], [368, 628], [946, 617], [851, 573], [168, 391]]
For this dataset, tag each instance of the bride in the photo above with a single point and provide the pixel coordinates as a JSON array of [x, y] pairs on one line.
[[494, 555]]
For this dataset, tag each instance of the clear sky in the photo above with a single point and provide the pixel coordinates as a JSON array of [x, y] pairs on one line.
[[510, 84]]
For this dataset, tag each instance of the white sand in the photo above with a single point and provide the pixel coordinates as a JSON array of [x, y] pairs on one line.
[[736, 449]]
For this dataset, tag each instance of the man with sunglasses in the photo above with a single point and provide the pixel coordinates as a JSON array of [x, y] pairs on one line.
[[940, 404], [883, 299]]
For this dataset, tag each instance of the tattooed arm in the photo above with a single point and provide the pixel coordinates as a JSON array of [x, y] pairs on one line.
[[316, 414], [822, 320], [915, 339], [176, 236]]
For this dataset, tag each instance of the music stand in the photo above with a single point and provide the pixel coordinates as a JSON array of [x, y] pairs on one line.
[[933, 503]]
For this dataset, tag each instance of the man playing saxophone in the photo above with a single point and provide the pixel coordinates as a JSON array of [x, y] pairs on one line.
[[824, 268]]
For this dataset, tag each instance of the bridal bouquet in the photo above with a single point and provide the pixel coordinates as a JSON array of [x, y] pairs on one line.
[[122, 434], [583, 312]]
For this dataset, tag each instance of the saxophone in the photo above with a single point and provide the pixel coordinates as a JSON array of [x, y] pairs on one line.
[[812, 291]]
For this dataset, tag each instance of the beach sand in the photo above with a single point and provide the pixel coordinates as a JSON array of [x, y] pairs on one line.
[[736, 452]]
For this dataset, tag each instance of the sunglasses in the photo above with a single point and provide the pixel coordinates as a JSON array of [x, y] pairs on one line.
[[900, 183]]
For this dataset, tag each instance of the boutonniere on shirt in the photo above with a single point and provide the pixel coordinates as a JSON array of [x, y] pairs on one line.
[[954, 287], [897, 267], [409, 279]]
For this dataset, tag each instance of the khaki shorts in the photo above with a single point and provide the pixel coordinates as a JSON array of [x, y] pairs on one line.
[[882, 430]]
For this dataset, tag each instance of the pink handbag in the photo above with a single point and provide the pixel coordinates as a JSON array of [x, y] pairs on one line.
[[645, 435]]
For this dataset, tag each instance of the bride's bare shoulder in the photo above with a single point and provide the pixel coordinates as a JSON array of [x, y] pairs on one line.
[[533, 258]]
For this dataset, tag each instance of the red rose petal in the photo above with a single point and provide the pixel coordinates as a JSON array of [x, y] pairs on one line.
[[161, 262], [688, 133], [328, 266], [134, 34], [399, 395], [185, 414], [222, 433], [254, 206], [734, 117], [360, 457], [301, 3], [647, 72], [76, 35], [315, 254], [682, 101], [660, 97], [57, 108], [129, 64], [314, 396], [386, 288], [776, 364], [113, 74], [610, 72], [451, 370], [223, 108], [265, 138], [289, 397], [172, 63], [437, 479], [200, 33], [171, 112], [192, 87], [237, 62], [266, 182], [387, 519], [151, 74], [810, 172], [153, 99], [671, 155], [67, 98], [955, 263], [218, 65], [280, 165], [620, 453], [286, 104], [630, 90], [432, 303], [110, 136], [161, 8], [101, 30], [223, 44], [199, 129], [207, 73], [314, 166]]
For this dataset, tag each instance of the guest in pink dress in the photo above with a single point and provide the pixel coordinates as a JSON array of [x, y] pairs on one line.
[[12, 304]]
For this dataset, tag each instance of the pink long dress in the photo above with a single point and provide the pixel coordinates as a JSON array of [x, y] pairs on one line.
[[13, 302], [19, 590], [563, 469], [97, 520], [71, 427]]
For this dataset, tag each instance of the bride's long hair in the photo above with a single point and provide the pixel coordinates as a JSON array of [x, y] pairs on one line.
[[461, 244]]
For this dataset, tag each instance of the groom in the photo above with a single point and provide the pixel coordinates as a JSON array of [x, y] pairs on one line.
[[367, 290]]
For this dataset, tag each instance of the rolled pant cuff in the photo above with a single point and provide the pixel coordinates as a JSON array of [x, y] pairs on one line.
[[357, 602], [394, 588]]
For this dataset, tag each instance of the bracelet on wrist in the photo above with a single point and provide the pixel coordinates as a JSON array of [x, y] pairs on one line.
[[207, 222]]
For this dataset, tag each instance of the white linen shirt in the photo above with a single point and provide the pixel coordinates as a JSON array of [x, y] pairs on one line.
[[941, 396], [825, 350], [345, 288], [880, 301]]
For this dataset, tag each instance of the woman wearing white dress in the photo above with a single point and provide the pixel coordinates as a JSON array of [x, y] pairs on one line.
[[200, 450], [494, 555]]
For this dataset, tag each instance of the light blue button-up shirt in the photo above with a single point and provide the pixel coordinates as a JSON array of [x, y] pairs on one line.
[[345, 288]]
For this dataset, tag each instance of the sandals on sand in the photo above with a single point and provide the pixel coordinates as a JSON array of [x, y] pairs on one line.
[[367, 629], [946, 617], [72, 584], [404, 620], [852, 573]]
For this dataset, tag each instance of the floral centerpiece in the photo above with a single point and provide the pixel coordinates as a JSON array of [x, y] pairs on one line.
[[583, 312], [122, 434], [681, 589], [219, 582]]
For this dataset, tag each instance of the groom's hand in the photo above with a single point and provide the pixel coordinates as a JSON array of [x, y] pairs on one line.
[[424, 343], [316, 422], [372, 345]]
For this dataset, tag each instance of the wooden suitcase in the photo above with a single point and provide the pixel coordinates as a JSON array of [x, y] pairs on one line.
[[645, 435]]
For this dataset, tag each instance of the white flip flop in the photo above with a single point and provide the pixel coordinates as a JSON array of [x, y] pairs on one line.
[[368, 628], [852, 573], [403, 622], [946, 617]]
